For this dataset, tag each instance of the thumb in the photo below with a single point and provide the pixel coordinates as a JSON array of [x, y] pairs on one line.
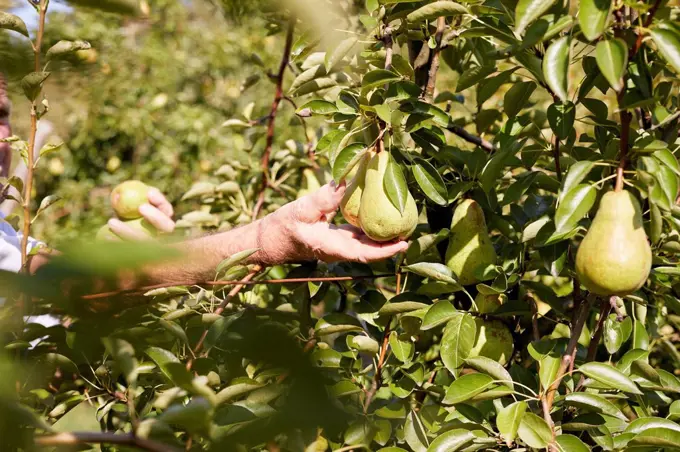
[[322, 202]]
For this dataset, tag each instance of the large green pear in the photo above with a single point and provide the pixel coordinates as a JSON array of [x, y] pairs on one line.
[[127, 198], [351, 201], [470, 247], [494, 341], [615, 257], [378, 217]]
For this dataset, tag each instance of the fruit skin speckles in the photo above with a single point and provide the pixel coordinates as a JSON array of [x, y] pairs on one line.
[[127, 197], [615, 257]]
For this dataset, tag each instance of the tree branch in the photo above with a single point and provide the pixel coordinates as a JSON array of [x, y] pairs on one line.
[[377, 377], [428, 94], [79, 438], [278, 95], [605, 309], [470, 138]]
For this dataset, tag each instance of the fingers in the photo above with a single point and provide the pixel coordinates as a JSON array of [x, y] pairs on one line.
[[317, 205], [370, 251], [124, 231], [159, 201], [158, 218], [348, 243]]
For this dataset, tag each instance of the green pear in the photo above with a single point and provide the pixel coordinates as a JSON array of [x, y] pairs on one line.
[[312, 183], [470, 247], [349, 206], [615, 257], [494, 341], [141, 226], [127, 197], [378, 217], [487, 304], [105, 233]]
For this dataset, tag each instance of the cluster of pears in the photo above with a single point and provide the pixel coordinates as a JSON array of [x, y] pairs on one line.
[[470, 248], [126, 199], [615, 257], [366, 205]]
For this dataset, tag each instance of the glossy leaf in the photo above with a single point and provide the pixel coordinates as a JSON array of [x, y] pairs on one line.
[[592, 17], [466, 387], [436, 9], [574, 206], [457, 341], [556, 66], [527, 11], [667, 41], [561, 117], [609, 376], [347, 159], [517, 97], [394, 184], [534, 431], [612, 57], [509, 419], [451, 441], [430, 181]]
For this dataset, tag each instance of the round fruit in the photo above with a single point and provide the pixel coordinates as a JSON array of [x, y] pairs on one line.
[[494, 341], [127, 197], [142, 226], [105, 233]]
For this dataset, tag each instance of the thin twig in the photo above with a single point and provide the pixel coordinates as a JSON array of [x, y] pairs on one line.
[[471, 138], [648, 21], [28, 186], [220, 309], [143, 289], [568, 357], [377, 377], [79, 438], [605, 309], [278, 95], [428, 94]]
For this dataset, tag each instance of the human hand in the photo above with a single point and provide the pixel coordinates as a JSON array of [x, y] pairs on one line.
[[158, 212], [301, 230]]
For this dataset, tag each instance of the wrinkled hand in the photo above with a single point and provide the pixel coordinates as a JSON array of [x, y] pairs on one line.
[[158, 212], [301, 230]]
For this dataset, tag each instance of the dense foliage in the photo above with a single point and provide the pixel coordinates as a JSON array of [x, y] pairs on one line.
[[533, 109]]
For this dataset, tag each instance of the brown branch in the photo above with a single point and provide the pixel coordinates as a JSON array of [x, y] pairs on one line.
[[389, 51], [570, 352], [648, 21], [470, 138], [220, 309], [428, 94], [534, 317], [28, 186], [278, 95], [143, 289], [377, 377], [79, 438], [605, 309]]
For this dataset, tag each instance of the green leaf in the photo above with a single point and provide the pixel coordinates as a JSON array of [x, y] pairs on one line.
[[347, 159], [575, 175], [457, 341], [517, 97], [556, 66], [451, 441], [658, 437], [218, 327], [436, 9], [667, 41], [65, 48], [124, 354], [343, 48], [592, 17], [529, 10], [612, 58], [571, 443], [234, 259], [32, 84], [432, 270], [394, 184], [594, 403], [491, 368], [430, 181], [438, 314], [509, 419], [473, 75], [11, 22], [307, 76], [315, 85], [193, 417], [645, 423], [378, 77], [574, 206], [561, 117], [534, 431], [402, 348], [609, 376], [466, 387], [317, 107]]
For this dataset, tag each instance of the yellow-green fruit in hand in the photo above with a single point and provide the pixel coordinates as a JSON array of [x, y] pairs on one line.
[[127, 197], [493, 341], [141, 226], [378, 217], [311, 183], [105, 233], [351, 201], [615, 257], [470, 247]]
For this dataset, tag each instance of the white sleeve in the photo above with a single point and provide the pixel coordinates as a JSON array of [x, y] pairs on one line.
[[10, 247]]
